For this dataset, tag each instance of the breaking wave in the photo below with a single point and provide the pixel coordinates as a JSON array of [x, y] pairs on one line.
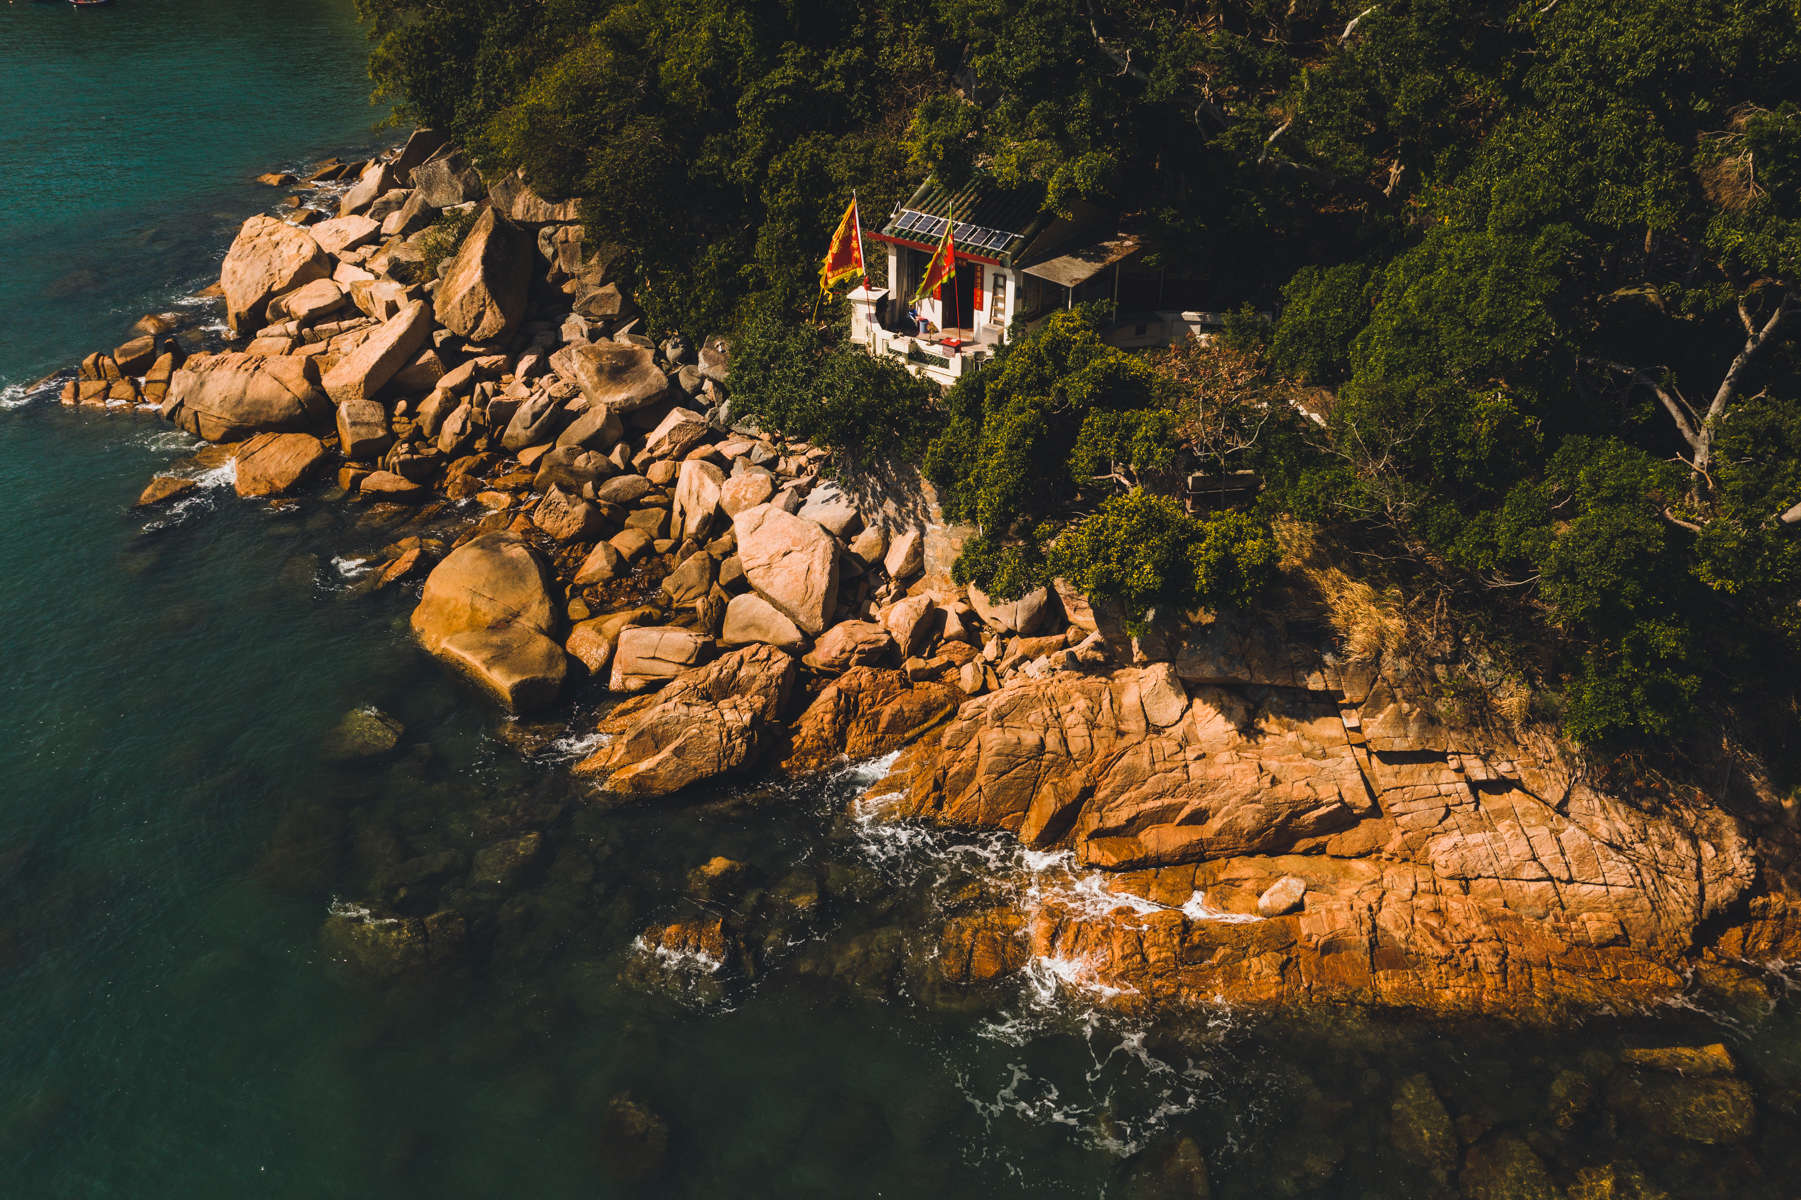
[[1063, 1054]]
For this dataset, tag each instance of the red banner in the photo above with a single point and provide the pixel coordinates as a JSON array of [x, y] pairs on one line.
[[845, 259]]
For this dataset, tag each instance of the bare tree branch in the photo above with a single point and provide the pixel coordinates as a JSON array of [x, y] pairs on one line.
[[1351, 25], [1756, 338], [1122, 61]]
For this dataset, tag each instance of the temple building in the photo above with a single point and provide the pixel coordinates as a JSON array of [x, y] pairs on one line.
[[1015, 267]]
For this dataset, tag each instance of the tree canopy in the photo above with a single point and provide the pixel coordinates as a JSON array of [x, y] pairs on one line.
[[1532, 266]]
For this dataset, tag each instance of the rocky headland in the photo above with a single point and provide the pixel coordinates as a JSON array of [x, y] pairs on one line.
[[1283, 821]]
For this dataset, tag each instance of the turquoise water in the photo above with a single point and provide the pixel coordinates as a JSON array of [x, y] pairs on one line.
[[173, 839]]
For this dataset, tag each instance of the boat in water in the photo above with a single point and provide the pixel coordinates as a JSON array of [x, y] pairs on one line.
[[89, 3]]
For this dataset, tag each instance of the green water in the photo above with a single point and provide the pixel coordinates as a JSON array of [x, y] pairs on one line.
[[173, 841]]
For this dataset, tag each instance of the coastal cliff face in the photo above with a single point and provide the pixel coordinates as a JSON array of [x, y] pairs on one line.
[[1393, 861], [1271, 824]]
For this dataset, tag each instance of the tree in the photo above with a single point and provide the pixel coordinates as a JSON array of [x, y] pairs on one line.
[[806, 382], [1140, 550]]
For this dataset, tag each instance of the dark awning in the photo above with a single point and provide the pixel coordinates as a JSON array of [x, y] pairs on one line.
[[1079, 266]]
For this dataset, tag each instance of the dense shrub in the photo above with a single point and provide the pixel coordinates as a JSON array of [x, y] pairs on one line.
[[807, 383], [1141, 550]]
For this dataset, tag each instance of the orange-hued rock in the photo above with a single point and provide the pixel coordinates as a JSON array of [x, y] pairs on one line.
[[164, 488], [866, 712], [1436, 871], [267, 258], [488, 610], [272, 463], [482, 295], [224, 397], [708, 721]]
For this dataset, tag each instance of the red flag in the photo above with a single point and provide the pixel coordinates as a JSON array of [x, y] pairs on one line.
[[845, 259], [943, 266]]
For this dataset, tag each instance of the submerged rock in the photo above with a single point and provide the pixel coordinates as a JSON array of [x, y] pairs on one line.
[[364, 732], [1420, 1128], [631, 1139], [387, 946]]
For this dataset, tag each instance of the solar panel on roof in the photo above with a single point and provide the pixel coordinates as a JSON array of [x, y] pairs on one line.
[[908, 220]]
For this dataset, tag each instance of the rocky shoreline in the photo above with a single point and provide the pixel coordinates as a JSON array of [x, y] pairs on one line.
[[1289, 824]]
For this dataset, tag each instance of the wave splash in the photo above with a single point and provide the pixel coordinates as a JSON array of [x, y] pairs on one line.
[[1063, 1053]]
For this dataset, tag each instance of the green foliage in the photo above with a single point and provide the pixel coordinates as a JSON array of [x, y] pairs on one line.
[[1514, 238], [1141, 550], [1322, 310], [1126, 445], [441, 240], [1005, 572], [1009, 451], [809, 384]]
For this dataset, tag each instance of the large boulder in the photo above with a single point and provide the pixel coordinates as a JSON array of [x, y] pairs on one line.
[[363, 372], [378, 177], [648, 655], [420, 146], [488, 609], [750, 619], [1037, 611], [617, 375], [597, 429], [866, 712], [710, 720], [564, 517], [850, 644], [697, 487], [267, 258], [536, 421], [914, 624], [832, 508], [272, 463], [482, 295], [447, 179], [524, 670], [309, 302], [747, 489], [224, 397], [516, 199], [790, 562], [680, 431], [363, 429], [344, 233]]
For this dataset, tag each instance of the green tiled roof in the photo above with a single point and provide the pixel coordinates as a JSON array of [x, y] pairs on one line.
[[991, 223]]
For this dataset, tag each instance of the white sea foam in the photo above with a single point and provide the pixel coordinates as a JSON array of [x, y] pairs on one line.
[[1125, 1093], [208, 483], [352, 911], [679, 961], [575, 745], [1196, 908], [16, 395], [352, 568]]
